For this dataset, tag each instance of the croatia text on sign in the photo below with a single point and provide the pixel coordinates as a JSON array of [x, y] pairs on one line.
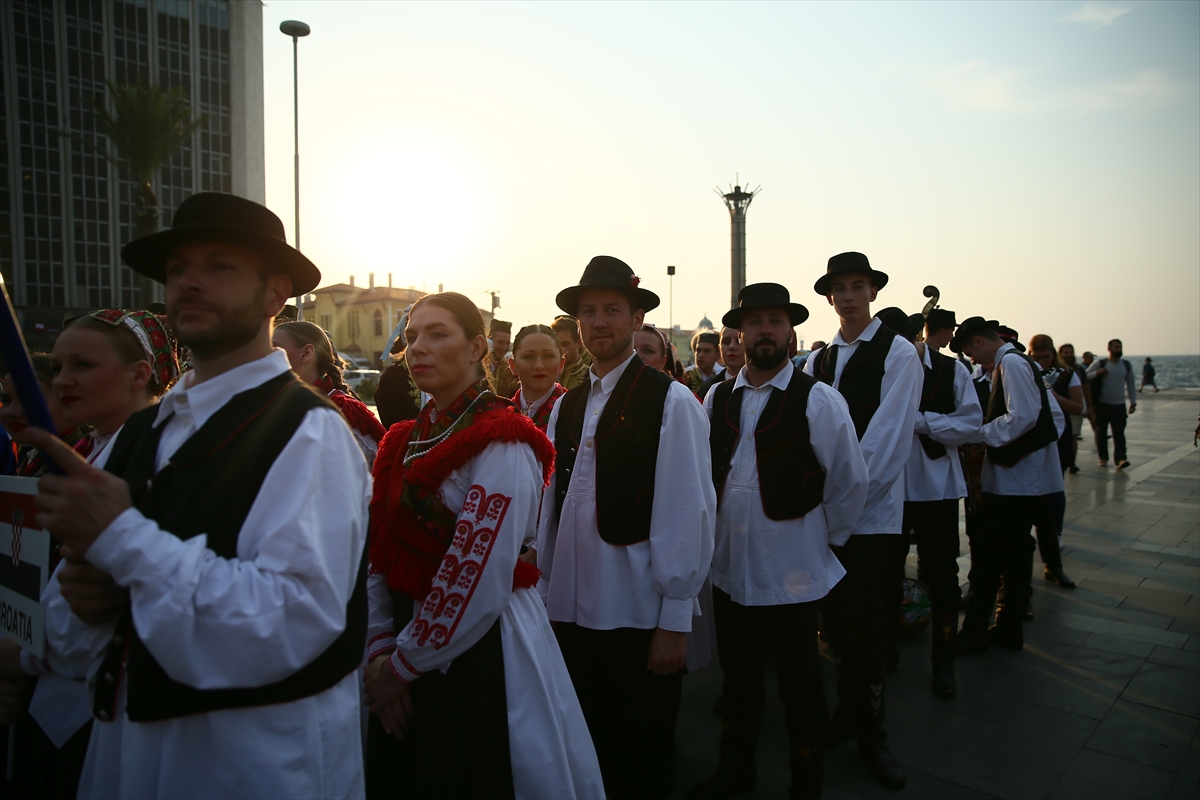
[[24, 565]]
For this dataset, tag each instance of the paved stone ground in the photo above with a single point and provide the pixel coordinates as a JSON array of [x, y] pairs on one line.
[[1105, 699]]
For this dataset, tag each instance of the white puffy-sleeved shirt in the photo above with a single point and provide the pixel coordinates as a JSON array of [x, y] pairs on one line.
[[250, 621], [497, 494], [928, 478], [759, 561], [1039, 472], [888, 439], [650, 584]]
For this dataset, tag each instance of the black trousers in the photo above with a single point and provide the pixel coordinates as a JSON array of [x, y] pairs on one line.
[[933, 527], [1002, 550], [630, 711], [853, 615], [1115, 415], [745, 636], [1048, 523]]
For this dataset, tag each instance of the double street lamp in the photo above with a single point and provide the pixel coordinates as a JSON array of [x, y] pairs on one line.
[[296, 29]]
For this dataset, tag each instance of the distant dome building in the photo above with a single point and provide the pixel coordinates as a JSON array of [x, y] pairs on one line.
[[705, 324]]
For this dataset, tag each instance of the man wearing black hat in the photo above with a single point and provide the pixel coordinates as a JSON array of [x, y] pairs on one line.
[[791, 483], [705, 350], [234, 513], [625, 536], [879, 375], [949, 415], [500, 336], [1021, 429]]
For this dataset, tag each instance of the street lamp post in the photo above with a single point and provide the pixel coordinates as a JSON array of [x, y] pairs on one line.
[[671, 302], [296, 29]]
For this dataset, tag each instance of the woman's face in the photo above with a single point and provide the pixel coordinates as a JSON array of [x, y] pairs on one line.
[[649, 345], [93, 384], [12, 414], [302, 357], [536, 362], [441, 359]]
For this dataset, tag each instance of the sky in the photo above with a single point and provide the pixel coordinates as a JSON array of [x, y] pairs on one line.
[[1038, 162]]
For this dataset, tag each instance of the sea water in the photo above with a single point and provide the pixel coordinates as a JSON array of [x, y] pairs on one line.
[[1171, 372]]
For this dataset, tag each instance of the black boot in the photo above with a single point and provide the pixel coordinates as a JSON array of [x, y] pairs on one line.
[[842, 726], [1052, 560], [807, 759], [944, 685], [883, 764], [971, 639], [736, 771]]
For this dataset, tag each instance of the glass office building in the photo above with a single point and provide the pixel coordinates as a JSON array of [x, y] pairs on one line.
[[65, 209]]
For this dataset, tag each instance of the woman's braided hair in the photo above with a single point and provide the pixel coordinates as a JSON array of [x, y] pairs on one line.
[[329, 363]]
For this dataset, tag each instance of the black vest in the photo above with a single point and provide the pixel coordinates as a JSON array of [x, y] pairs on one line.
[[790, 479], [862, 378], [208, 487], [1041, 434], [937, 396], [626, 450]]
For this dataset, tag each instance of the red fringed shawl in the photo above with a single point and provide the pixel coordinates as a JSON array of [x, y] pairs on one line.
[[406, 546]]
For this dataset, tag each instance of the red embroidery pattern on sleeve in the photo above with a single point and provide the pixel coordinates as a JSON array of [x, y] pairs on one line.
[[464, 562]]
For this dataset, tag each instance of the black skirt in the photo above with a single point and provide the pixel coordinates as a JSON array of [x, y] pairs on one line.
[[457, 746]]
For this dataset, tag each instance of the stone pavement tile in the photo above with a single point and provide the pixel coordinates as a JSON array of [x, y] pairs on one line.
[[1106, 662], [1192, 645], [1146, 735], [1164, 596], [1045, 631], [1175, 658], [1084, 595], [1080, 691], [1041, 737], [1166, 687], [1004, 778], [1099, 776], [1185, 626], [1116, 644], [1048, 651], [993, 685], [1110, 620], [934, 740], [1188, 613], [1187, 781]]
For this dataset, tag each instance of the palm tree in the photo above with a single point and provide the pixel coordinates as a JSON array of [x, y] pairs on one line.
[[146, 126]]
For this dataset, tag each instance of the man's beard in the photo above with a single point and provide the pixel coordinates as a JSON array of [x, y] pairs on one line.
[[1070, 360], [237, 327], [611, 347], [761, 360]]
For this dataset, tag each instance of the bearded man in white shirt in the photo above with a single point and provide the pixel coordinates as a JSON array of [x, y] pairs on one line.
[[234, 513], [626, 534], [1020, 429], [879, 375], [791, 482]]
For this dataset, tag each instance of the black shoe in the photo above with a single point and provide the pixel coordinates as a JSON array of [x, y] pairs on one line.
[[1074, 470], [968, 642], [1056, 575], [944, 685], [1122, 464], [1006, 636], [841, 727], [725, 782], [882, 763], [1104, 462]]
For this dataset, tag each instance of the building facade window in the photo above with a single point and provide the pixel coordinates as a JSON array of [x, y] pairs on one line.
[[327, 323], [352, 325], [378, 322]]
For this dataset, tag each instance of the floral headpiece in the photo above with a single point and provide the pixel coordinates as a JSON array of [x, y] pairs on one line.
[[156, 341]]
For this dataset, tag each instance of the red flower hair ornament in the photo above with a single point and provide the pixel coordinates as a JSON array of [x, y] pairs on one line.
[[151, 333]]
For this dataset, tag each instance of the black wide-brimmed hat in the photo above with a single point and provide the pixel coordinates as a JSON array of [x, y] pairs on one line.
[[1012, 337], [900, 322], [849, 264], [940, 318], [226, 218], [764, 295], [606, 272], [971, 326]]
